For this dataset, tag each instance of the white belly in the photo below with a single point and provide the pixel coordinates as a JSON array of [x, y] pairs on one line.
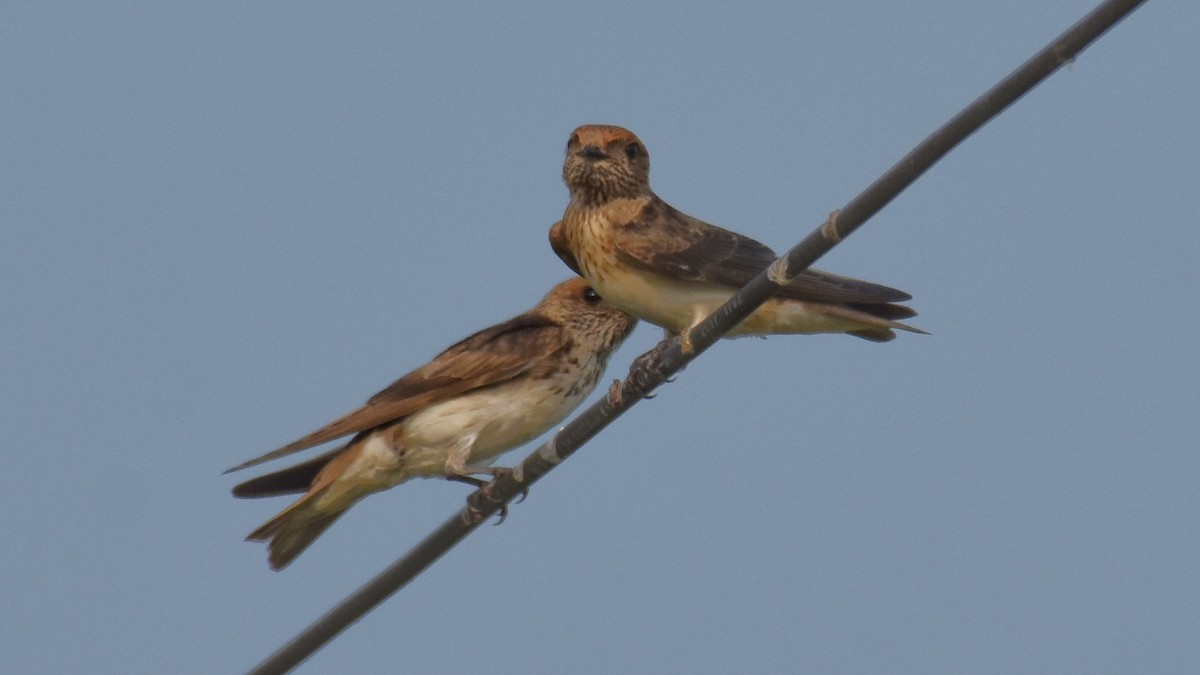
[[491, 421], [671, 304], [677, 306]]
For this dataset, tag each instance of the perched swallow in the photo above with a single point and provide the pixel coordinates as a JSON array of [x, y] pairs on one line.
[[491, 392], [668, 268]]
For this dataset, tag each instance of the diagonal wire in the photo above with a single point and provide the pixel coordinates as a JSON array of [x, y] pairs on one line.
[[669, 358]]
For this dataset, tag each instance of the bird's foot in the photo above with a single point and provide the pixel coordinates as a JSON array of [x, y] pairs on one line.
[[481, 498], [649, 361], [647, 371], [614, 394]]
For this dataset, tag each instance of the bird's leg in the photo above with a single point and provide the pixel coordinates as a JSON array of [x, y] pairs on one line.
[[457, 470], [469, 480]]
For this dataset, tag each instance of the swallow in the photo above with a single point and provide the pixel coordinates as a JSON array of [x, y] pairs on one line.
[[670, 269], [483, 396]]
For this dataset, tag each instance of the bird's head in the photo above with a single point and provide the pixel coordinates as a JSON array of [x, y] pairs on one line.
[[606, 162], [575, 305]]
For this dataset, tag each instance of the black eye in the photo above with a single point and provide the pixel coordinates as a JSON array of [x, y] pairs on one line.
[[590, 296], [632, 150], [573, 140]]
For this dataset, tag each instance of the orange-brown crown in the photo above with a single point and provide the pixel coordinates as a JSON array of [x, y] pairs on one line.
[[605, 162], [603, 135]]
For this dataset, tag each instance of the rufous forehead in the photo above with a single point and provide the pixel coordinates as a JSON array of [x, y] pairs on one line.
[[603, 134], [570, 288]]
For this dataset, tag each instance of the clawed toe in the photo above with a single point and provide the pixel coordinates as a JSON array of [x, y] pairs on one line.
[[649, 361], [479, 500], [478, 503], [646, 369]]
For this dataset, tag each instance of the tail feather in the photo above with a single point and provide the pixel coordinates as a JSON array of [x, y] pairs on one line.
[[342, 477], [883, 334], [297, 526], [876, 320], [294, 530], [292, 480], [883, 310], [874, 334]]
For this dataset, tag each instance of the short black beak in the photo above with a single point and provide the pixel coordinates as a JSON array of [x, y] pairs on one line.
[[592, 152]]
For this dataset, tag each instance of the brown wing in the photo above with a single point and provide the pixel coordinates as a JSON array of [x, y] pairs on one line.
[[558, 242], [676, 245], [491, 356]]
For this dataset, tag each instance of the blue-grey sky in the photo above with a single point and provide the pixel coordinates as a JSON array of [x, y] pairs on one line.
[[222, 225]]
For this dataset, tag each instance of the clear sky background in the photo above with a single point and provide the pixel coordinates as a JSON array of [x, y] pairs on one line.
[[222, 226]]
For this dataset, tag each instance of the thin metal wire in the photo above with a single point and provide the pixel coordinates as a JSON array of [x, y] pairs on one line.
[[670, 358]]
